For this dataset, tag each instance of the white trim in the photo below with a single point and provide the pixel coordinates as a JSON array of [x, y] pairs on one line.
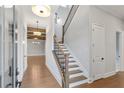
[[121, 49], [71, 85], [75, 63], [36, 55], [53, 75], [109, 74], [75, 68], [91, 78], [2, 47], [76, 75], [106, 75]]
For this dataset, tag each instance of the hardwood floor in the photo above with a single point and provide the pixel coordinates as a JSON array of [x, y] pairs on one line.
[[37, 75], [116, 81]]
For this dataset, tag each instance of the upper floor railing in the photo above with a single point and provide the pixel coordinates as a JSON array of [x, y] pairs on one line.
[[69, 19]]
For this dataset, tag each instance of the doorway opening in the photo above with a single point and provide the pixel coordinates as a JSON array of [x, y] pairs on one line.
[[36, 38], [118, 51], [36, 41]]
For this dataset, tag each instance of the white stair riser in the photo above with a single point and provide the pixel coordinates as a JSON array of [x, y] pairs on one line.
[[74, 63], [76, 75], [71, 85], [75, 68]]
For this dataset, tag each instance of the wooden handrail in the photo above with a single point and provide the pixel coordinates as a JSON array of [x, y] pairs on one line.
[[65, 73], [59, 47], [59, 68]]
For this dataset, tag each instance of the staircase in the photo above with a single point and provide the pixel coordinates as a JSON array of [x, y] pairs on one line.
[[70, 70]]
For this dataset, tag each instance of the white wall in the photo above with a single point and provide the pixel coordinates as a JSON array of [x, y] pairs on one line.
[[22, 30], [62, 13], [50, 60], [77, 37], [37, 48], [58, 31], [111, 24]]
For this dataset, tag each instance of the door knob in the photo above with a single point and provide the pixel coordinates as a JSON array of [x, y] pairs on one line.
[[102, 58]]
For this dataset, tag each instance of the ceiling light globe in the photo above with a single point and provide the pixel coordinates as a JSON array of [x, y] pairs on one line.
[[41, 10]]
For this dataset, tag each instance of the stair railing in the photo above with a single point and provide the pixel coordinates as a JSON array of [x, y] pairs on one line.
[[69, 19], [64, 71]]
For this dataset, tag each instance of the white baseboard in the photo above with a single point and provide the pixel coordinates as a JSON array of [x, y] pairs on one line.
[[53, 75], [91, 80], [36, 55], [109, 74], [78, 83]]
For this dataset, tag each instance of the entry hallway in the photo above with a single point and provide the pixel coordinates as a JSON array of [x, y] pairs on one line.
[[37, 75]]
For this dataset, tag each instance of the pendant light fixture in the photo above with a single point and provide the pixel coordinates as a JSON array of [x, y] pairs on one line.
[[41, 10], [37, 33]]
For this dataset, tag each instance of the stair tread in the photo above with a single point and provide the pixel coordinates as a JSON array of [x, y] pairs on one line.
[[73, 66], [62, 62], [61, 44], [70, 66], [62, 53], [75, 72], [62, 49], [76, 79], [64, 57]]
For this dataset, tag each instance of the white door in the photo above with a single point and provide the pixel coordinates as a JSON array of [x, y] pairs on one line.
[[98, 52]]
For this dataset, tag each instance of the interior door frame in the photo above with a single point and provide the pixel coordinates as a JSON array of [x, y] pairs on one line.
[[92, 54], [121, 49], [14, 63], [2, 46]]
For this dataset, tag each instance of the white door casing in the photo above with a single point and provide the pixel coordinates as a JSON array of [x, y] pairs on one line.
[[121, 49], [98, 52], [118, 51]]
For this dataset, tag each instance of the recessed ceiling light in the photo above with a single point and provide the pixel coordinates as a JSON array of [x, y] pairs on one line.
[[41, 10]]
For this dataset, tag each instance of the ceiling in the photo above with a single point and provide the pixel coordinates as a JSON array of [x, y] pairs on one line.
[[31, 18], [115, 10]]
